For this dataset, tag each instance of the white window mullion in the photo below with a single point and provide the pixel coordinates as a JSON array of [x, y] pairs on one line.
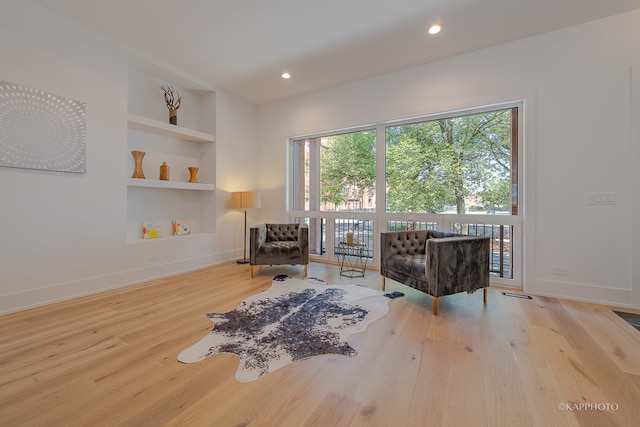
[[381, 194]]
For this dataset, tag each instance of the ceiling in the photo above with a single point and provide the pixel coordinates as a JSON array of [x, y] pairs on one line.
[[243, 46]]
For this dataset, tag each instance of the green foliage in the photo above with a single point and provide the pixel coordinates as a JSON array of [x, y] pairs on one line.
[[347, 164], [433, 164], [497, 194], [412, 170], [429, 165]]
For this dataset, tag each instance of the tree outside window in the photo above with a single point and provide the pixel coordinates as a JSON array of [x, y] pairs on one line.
[[451, 165]]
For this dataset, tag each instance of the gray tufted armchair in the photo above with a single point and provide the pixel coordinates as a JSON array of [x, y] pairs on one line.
[[436, 263], [277, 244]]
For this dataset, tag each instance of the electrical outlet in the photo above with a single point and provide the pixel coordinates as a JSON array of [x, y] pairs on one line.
[[559, 271], [153, 258]]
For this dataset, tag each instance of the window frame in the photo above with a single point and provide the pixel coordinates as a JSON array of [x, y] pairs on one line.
[[380, 217]]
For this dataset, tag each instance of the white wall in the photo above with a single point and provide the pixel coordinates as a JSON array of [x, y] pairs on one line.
[[237, 170], [580, 136], [64, 234]]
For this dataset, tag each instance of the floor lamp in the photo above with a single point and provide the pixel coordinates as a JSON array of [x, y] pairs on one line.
[[245, 200]]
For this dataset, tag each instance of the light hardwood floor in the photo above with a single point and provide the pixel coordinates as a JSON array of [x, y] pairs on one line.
[[110, 359]]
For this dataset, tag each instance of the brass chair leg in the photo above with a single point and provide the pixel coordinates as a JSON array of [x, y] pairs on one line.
[[305, 271], [435, 306], [485, 295], [251, 268], [383, 283]]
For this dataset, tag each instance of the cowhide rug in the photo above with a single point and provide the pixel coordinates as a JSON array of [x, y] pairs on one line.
[[293, 320]]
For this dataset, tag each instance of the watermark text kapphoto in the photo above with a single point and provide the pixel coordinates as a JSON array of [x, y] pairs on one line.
[[569, 406]]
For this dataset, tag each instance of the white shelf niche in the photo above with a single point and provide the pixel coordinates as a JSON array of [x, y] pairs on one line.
[[164, 206], [192, 143], [157, 127], [192, 236]]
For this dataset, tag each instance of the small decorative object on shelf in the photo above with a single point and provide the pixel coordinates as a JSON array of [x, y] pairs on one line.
[[151, 230], [193, 171], [137, 169], [164, 171], [181, 227], [173, 103]]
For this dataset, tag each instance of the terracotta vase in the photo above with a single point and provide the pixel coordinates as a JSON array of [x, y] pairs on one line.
[[164, 171], [173, 117], [137, 169], [193, 171]]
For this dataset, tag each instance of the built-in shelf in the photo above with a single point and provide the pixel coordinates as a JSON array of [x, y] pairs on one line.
[[166, 129], [172, 185], [180, 146], [169, 238]]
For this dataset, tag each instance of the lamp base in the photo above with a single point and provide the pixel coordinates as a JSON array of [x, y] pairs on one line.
[[243, 261]]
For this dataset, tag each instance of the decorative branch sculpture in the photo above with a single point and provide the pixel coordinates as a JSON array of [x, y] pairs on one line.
[[170, 98], [173, 103]]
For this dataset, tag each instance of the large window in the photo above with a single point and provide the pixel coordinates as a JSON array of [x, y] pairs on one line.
[[454, 172], [454, 165]]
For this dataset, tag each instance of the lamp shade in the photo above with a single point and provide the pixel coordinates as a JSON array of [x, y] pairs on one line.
[[245, 200]]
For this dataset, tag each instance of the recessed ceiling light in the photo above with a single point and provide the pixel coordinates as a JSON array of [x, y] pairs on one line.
[[286, 75], [434, 29]]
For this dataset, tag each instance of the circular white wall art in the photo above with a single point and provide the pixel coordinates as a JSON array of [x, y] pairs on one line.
[[40, 130]]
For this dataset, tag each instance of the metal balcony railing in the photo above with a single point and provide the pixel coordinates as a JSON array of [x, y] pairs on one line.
[[500, 263], [362, 233]]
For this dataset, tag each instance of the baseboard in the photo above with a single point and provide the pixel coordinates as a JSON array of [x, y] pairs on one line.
[[20, 301], [581, 292]]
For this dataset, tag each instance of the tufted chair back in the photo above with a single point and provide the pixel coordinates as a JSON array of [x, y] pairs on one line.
[[411, 242], [279, 244], [407, 243], [282, 232]]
